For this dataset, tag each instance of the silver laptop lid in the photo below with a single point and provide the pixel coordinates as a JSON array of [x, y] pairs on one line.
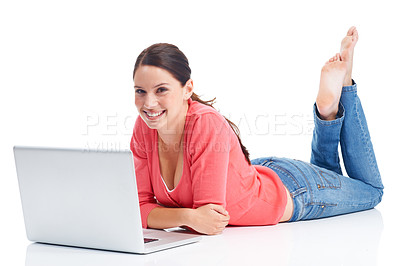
[[82, 198]]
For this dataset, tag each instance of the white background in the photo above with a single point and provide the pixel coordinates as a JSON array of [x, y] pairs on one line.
[[66, 78]]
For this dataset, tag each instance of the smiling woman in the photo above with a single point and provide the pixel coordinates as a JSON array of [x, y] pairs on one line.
[[190, 157], [192, 169], [159, 103], [167, 62]]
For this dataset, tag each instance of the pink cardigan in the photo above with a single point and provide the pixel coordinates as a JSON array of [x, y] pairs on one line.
[[214, 171]]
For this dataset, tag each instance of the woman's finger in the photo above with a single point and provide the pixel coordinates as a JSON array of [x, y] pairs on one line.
[[220, 209]]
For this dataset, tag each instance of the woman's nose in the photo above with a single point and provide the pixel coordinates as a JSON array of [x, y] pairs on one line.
[[151, 101]]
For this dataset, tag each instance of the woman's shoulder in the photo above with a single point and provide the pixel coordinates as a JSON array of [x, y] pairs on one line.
[[205, 119], [198, 110]]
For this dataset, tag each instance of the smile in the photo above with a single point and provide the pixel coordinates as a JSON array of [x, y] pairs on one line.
[[153, 116]]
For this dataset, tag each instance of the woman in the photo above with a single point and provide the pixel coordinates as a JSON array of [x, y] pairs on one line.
[[192, 169]]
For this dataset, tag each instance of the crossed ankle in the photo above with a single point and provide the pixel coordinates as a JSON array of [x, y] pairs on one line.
[[327, 113]]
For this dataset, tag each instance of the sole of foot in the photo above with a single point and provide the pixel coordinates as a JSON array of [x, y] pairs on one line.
[[332, 77]]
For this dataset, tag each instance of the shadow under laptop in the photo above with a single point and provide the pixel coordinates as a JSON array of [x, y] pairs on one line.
[[351, 239], [47, 254]]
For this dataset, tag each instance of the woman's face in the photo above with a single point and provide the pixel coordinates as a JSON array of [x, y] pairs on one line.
[[159, 98]]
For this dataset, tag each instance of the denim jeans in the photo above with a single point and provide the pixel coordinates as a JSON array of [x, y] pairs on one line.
[[318, 188]]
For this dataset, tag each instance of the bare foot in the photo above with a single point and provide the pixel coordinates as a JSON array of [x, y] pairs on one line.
[[330, 88], [347, 51]]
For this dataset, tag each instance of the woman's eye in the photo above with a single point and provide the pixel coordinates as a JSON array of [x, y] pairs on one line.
[[139, 91], [162, 89]]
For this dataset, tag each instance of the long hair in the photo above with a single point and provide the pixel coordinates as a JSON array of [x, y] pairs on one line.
[[169, 57]]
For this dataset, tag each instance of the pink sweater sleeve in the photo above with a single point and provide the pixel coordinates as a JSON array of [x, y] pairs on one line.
[[147, 200], [209, 147]]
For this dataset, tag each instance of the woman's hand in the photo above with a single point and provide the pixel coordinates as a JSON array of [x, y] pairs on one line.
[[210, 219]]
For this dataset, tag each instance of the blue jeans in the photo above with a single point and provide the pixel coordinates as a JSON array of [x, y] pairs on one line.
[[319, 189]]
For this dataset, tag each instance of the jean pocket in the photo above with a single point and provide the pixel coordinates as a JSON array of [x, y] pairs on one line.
[[325, 179], [320, 210], [289, 177]]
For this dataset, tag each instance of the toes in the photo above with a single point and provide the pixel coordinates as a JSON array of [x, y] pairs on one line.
[[350, 32], [355, 35], [335, 58]]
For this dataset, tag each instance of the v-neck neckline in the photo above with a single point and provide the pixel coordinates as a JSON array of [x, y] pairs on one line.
[[159, 166], [183, 154]]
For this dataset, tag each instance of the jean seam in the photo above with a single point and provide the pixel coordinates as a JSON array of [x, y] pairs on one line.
[[288, 174], [370, 204], [337, 166], [308, 183], [308, 189], [321, 203], [285, 172], [312, 202], [320, 212], [365, 140], [318, 173]]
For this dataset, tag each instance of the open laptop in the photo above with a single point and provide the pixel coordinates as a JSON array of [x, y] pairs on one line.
[[86, 198]]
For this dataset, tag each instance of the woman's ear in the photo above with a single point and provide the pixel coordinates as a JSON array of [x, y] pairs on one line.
[[188, 89]]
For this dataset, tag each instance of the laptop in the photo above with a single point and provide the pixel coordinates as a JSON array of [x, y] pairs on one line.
[[86, 198]]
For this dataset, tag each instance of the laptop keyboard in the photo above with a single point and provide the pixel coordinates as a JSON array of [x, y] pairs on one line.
[[148, 240]]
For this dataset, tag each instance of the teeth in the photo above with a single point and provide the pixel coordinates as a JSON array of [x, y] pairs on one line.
[[153, 114]]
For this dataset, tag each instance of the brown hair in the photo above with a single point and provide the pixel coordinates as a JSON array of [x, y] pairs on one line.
[[170, 58]]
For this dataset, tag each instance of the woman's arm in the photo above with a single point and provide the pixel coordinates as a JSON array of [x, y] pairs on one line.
[[210, 219], [140, 152]]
